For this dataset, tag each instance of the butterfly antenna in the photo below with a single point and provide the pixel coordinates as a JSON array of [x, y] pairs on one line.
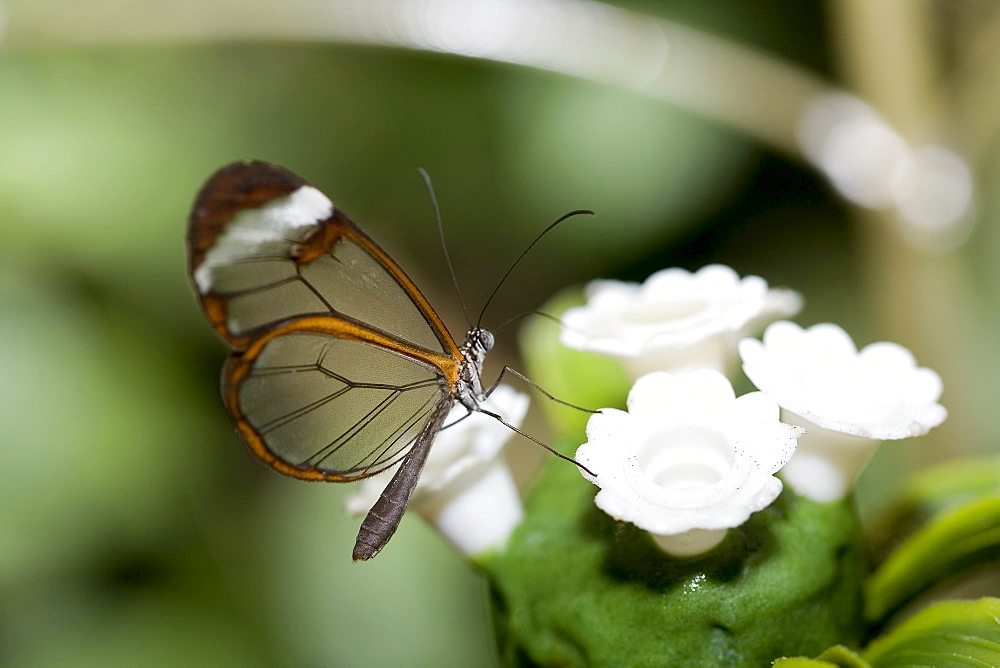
[[525, 252], [509, 321], [444, 246]]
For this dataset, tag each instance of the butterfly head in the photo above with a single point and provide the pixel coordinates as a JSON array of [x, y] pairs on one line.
[[478, 342]]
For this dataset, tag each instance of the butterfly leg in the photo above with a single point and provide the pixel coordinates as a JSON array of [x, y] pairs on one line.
[[527, 380]]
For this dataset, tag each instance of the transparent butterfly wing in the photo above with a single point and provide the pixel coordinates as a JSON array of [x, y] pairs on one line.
[[329, 408], [340, 361]]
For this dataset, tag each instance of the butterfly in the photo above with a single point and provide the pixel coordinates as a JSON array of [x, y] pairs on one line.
[[340, 367]]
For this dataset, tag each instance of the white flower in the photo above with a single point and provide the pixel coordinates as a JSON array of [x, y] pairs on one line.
[[466, 490], [847, 400], [930, 186], [676, 320], [688, 460]]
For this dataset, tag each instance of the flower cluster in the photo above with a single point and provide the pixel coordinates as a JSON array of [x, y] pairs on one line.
[[689, 459]]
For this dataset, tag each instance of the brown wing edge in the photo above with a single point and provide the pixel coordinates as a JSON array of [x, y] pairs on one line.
[[238, 366], [231, 189]]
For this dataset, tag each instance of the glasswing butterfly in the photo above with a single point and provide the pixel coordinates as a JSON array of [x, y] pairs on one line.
[[340, 367]]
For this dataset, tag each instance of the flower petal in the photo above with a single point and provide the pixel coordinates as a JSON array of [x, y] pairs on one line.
[[818, 373], [676, 320]]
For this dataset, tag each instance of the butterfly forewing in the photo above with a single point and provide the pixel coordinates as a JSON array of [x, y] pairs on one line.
[[339, 360], [266, 247]]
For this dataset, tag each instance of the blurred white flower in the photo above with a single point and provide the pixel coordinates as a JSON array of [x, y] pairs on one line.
[[847, 400], [931, 187], [466, 490], [689, 460], [676, 320]]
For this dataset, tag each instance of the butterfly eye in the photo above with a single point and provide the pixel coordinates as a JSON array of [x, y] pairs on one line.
[[486, 340]]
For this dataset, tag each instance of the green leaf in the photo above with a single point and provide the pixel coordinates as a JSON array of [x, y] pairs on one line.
[[837, 656], [934, 490], [957, 541], [952, 633], [843, 656]]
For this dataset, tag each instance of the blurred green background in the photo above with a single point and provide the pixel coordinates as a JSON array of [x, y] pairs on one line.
[[135, 529]]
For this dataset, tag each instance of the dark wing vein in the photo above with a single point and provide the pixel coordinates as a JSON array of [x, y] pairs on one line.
[[299, 368], [282, 420], [377, 454], [287, 368], [257, 288], [312, 288], [345, 437], [387, 444]]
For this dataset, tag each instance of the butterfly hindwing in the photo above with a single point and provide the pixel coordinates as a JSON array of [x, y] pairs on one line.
[[318, 406]]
